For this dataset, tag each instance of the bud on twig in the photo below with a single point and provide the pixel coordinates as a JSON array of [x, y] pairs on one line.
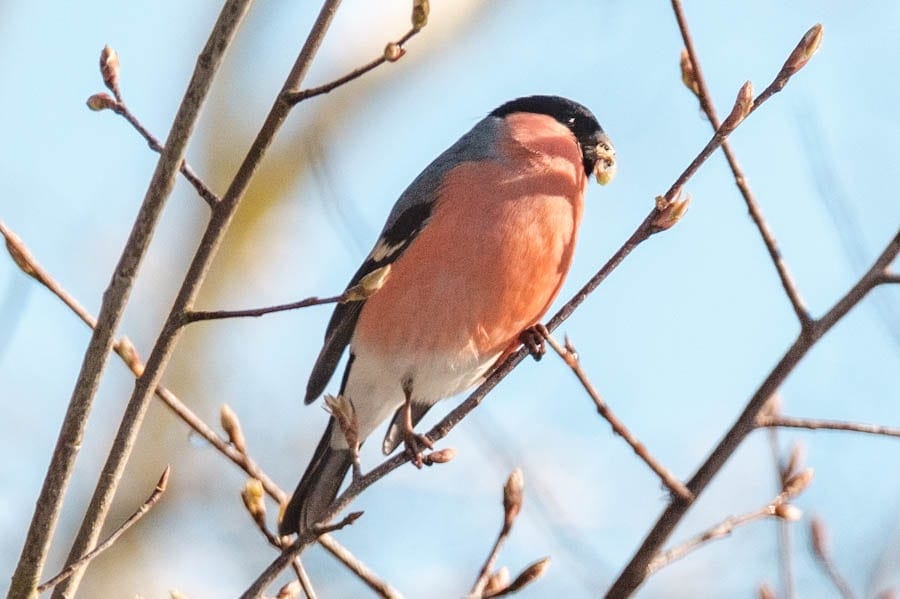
[[797, 483], [232, 427], [393, 52], [420, 12], [367, 285], [743, 104], [670, 212], [442, 456], [766, 592], [101, 101], [787, 512], [688, 76], [290, 591], [109, 69], [528, 575], [19, 253], [794, 461], [126, 350], [804, 50], [512, 497], [497, 582], [253, 496]]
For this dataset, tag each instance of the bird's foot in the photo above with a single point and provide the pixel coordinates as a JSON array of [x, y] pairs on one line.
[[533, 340], [416, 445]]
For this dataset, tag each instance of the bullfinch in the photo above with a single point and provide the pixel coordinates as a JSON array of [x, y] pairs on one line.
[[478, 246]]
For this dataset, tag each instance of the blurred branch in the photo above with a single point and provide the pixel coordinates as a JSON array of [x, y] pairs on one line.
[[233, 449], [570, 356], [59, 472], [777, 508], [665, 214], [692, 75], [145, 507], [819, 542], [778, 421]]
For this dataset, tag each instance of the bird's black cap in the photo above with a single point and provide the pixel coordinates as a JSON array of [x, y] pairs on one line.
[[577, 118]]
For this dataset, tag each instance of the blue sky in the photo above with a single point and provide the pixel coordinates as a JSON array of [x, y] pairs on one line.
[[677, 338]]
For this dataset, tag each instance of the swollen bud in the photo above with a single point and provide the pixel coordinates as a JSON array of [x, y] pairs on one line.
[[109, 69], [809, 45], [688, 76], [253, 496], [232, 427], [420, 14], [393, 52], [101, 101], [512, 496], [368, 285]]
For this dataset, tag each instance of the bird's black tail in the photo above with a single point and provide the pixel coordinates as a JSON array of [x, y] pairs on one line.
[[318, 487]]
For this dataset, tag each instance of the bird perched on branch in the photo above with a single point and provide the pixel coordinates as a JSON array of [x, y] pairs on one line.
[[470, 258]]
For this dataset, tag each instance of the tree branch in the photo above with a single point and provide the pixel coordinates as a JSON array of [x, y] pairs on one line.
[[665, 214], [779, 421], [49, 502], [635, 572], [693, 76], [231, 450], [570, 357], [145, 507]]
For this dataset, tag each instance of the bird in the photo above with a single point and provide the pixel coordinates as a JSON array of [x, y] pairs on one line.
[[470, 258]]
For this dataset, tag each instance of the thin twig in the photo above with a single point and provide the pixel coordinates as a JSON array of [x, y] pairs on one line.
[[145, 507], [49, 501], [120, 108], [779, 421], [719, 531], [303, 578], [513, 493], [644, 231], [126, 351], [785, 557], [819, 544], [635, 572], [295, 97], [706, 103], [570, 357], [198, 315]]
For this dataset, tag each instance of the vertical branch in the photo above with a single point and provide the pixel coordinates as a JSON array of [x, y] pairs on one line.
[[165, 343], [59, 472]]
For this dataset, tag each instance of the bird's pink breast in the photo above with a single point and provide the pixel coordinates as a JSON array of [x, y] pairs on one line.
[[488, 265]]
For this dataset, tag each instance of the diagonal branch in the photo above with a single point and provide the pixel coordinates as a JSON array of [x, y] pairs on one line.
[[665, 214], [145, 507], [693, 75], [231, 450], [62, 463], [635, 572], [570, 357]]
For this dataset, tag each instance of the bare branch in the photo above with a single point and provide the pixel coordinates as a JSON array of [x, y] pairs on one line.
[[635, 572], [196, 316], [232, 449], [118, 106], [145, 507], [833, 425], [512, 504], [49, 502], [699, 87], [570, 357], [819, 542], [392, 53], [645, 230]]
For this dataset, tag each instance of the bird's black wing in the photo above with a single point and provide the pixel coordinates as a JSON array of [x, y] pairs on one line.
[[400, 230]]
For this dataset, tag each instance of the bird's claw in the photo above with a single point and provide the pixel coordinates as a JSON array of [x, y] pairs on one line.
[[533, 340], [416, 445]]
